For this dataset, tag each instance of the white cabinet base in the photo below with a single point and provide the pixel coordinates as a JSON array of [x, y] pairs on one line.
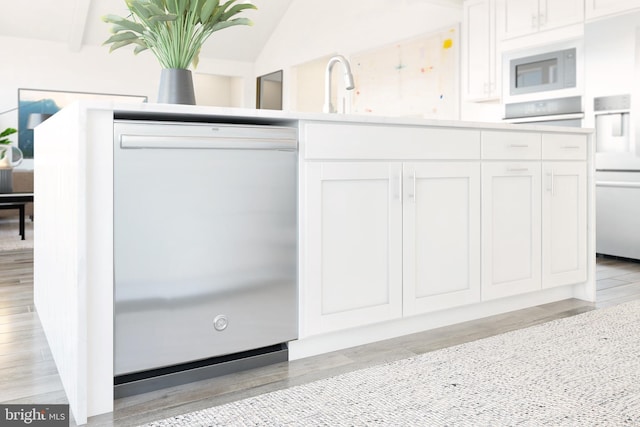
[[367, 334]]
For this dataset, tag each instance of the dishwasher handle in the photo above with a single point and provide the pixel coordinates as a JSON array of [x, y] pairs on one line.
[[206, 142], [618, 184]]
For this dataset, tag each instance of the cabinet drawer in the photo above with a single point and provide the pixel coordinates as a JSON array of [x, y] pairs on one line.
[[328, 141], [560, 146], [505, 145]]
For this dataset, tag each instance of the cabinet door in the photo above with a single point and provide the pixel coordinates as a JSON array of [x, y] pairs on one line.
[[353, 261], [554, 13], [599, 8], [517, 18], [479, 51], [564, 223], [511, 228], [441, 229]]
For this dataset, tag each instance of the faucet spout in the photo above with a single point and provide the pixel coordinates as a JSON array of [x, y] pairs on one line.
[[348, 81]]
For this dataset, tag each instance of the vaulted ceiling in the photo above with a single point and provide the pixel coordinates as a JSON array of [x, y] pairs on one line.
[[78, 23]]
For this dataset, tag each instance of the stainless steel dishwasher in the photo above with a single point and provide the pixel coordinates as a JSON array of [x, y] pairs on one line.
[[205, 248]]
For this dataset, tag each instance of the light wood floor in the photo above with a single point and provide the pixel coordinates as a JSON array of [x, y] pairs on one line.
[[28, 374]]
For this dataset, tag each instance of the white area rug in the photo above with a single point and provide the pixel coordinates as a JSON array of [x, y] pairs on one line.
[[10, 237], [579, 371]]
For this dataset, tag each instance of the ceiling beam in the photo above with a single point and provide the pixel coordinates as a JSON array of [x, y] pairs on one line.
[[78, 24]]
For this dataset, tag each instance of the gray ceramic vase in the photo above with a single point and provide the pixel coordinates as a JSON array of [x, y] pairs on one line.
[[176, 87]]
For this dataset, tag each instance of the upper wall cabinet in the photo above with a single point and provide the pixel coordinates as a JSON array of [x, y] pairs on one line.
[[481, 71], [524, 17], [598, 8]]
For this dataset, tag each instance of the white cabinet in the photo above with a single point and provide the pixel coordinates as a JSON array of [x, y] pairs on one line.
[[353, 257], [480, 60], [387, 239], [534, 211], [598, 8], [524, 17], [555, 14], [511, 228], [564, 210], [441, 229], [476, 216]]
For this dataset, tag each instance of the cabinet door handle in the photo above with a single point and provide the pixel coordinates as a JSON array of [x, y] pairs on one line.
[[534, 21], [570, 147], [412, 190], [518, 145], [553, 184]]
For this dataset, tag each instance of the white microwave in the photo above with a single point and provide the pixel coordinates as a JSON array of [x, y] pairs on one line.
[[542, 73]]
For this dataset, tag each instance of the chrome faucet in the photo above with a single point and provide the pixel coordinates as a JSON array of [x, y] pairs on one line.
[[348, 81]]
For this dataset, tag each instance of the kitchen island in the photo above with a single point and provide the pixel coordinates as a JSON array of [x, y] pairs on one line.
[[404, 225]]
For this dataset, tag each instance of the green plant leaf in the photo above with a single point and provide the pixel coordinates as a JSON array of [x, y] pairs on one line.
[[207, 10], [8, 131], [236, 9], [118, 45], [226, 24], [110, 19], [172, 6], [196, 6], [196, 59], [154, 9], [163, 18], [139, 49], [138, 8], [182, 6], [127, 26], [159, 4], [121, 37]]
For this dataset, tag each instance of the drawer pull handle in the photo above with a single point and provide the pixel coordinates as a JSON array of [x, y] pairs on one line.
[[519, 146], [571, 147], [517, 169]]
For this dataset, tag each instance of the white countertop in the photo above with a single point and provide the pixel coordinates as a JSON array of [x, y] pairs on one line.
[[265, 116]]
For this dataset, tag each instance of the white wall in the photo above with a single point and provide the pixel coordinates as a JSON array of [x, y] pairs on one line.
[[218, 91], [34, 64], [313, 29]]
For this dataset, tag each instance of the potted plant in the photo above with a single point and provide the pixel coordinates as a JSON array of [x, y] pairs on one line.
[[174, 30], [6, 160], [6, 150]]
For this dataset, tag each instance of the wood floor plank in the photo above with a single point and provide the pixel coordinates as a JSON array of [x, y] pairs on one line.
[[619, 291]]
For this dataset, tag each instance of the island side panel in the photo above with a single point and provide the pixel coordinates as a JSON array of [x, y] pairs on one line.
[[58, 293], [98, 256]]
